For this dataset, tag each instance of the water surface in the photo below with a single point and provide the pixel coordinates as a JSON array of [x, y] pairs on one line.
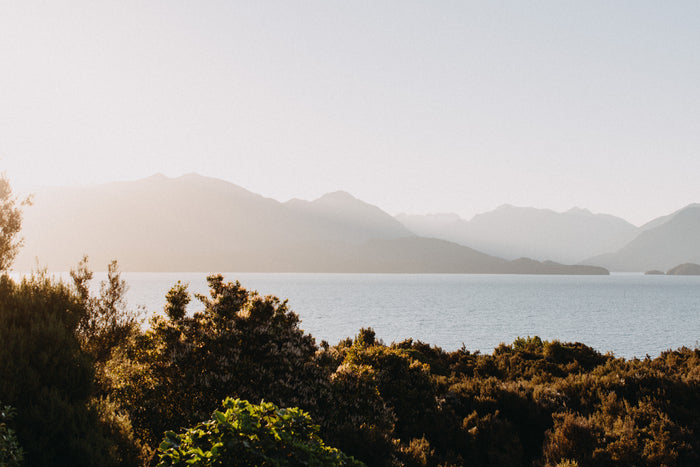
[[627, 314]]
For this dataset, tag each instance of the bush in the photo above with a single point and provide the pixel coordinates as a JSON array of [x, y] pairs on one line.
[[11, 454], [246, 434], [241, 345], [46, 376], [572, 438]]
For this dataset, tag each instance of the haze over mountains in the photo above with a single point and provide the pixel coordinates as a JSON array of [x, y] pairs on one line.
[[195, 223], [576, 236], [190, 223], [662, 244], [512, 232]]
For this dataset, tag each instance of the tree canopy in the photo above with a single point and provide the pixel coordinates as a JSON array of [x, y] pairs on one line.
[[10, 223]]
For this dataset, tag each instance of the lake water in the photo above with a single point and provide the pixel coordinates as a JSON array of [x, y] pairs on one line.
[[627, 314]]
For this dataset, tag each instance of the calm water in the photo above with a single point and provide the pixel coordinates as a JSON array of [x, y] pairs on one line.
[[628, 314]]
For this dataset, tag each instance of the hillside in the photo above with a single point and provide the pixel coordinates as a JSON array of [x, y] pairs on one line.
[[196, 223], [512, 232], [187, 223], [666, 242], [686, 269], [341, 215]]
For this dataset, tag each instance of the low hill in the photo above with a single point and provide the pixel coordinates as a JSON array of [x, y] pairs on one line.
[[429, 255], [687, 269]]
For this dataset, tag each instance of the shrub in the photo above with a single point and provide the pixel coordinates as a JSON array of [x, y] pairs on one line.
[[11, 454], [405, 385], [107, 322], [241, 345], [246, 434], [46, 376], [573, 438]]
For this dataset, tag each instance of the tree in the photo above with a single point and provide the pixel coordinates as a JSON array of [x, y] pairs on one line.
[[46, 376], [104, 331], [10, 223], [241, 345], [108, 321]]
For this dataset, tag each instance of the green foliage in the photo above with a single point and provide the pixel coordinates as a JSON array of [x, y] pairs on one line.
[[176, 301], [246, 434], [105, 329], [404, 383], [533, 402], [241, 345], [92, 388], [11, 454], [529, 344], [46, 376], [573, 437], [10, 223], [417, 453], [107, 322], [125, 449], [354, 417]]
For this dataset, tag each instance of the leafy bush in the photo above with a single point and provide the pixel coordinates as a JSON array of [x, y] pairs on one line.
[[107, 322], [246, 434], [10, 223], [404, 383], [241, 345], [11, 454], [45, 374]]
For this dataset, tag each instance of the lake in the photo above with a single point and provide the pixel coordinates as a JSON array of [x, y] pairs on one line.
[[631, 315]]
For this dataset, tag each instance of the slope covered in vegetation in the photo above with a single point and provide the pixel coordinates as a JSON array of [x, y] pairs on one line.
[[91, 385]]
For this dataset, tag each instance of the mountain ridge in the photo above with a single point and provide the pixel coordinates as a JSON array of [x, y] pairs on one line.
[[196, 223], [666, 242], [511, 232]]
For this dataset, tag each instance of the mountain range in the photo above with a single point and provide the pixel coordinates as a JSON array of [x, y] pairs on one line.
[[576, 236], [196, 223], [661, 244], [512, 232]]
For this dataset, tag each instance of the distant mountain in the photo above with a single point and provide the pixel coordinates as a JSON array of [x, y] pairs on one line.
[[195, 223], [429, 255], [663, 219], [512, 232], [344, 216], [190, 223], [664, 243]]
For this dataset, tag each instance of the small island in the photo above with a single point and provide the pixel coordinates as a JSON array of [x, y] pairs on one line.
[[654, 272], [685, 269]]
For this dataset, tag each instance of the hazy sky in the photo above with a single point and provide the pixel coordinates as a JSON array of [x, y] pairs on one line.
[[413, 106]]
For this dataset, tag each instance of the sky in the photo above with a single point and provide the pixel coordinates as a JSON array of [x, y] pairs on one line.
[[414, 106]]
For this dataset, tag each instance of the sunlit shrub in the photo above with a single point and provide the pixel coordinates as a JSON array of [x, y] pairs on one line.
[[572, 438], [404, 384], [417, 453], [46, 375], [246, 434], [241, 345], [355, 418]]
